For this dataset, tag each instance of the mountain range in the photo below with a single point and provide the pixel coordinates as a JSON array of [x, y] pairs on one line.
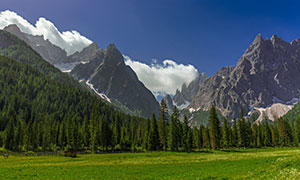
[[262, 80], [264, 75], [104, 71]]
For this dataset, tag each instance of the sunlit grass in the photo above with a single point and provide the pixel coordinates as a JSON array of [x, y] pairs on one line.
[[279, 163]]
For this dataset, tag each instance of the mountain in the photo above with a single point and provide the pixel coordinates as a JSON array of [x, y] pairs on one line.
[[273, 112], [264, 75], [183, 98], [107, 73], [87, 54], [50, 52], [169, 102], [14, 48]]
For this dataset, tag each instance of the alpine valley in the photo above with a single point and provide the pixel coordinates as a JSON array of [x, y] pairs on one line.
[[149, 90], [261, 84]]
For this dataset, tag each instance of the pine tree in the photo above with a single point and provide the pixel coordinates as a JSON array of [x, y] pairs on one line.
[[186, 135], [153, 135], [226, 134], [234, 137], [297, 132], [189, 140], [275, 135], [146, 135], [35, 135], [9, 135], [162, 125], [254, 135], [117, 130], [248, 133], [85, 132], [174, 131], [46, 133], [214, 129], [206, 138], [267, 134], [62, 139]]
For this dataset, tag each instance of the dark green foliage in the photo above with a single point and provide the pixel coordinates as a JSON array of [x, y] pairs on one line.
[[18, 50], [153, 135], [40, 113], [187, 139], [44, 109], [206, 138], [174, 139], [163, 124], [214, 129], [226, 134], [234, 138]]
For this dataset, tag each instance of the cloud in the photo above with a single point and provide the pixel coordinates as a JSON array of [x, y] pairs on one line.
[[71, 41], [165, 77]]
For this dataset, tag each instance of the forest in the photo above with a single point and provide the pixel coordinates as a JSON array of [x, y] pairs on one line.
[[38, 113]]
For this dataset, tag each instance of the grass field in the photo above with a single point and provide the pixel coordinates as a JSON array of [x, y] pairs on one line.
[[279, 163]]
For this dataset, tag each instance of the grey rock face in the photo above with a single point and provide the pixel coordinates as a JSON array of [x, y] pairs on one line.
[[267, 72], [188, 91], [86, 54], [111, 76], [169, 102], [45, 48]]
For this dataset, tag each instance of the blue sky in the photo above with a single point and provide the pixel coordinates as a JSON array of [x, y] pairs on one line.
[[207, 34]]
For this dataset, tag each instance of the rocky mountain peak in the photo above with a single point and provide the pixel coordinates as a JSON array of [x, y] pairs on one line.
[[87, 54], [48, 51], [12, 27], [169, 102], [108, 74], [15, 30], [263, 75], [113, 56], [258, 39], [277, 40], [183, 98]]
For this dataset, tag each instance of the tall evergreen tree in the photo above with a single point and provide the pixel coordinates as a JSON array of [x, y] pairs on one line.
[[9, 134], [117, 130], [174, 131], [163, 125], [297, 132], [214, 129], [226, 134], [153, 135], [186, 135], [234, 137], [206, 138], [146, 135], [267, 134]]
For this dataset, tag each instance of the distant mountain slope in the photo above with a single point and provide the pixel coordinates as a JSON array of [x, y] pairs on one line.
[[11, 46], [264, 75], [45, 48], [107, 73], [183, 97], [169, 102], [29, 95]]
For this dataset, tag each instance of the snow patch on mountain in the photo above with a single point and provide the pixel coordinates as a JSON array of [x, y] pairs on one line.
[[66, 67], [182, 106], [103, 96], [274, 112]]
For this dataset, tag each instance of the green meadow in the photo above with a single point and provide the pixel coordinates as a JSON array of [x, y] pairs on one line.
[[278, 163]]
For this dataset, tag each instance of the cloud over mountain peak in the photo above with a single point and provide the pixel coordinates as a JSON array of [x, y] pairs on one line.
[[70, 41], [165, 77]]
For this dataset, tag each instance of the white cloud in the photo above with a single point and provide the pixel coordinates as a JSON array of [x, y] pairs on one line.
[[165, 77], [71, 41]]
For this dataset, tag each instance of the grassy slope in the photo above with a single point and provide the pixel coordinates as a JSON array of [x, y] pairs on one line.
[[243, 164]]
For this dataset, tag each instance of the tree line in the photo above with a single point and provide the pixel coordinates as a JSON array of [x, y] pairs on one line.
[[38, 113]]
